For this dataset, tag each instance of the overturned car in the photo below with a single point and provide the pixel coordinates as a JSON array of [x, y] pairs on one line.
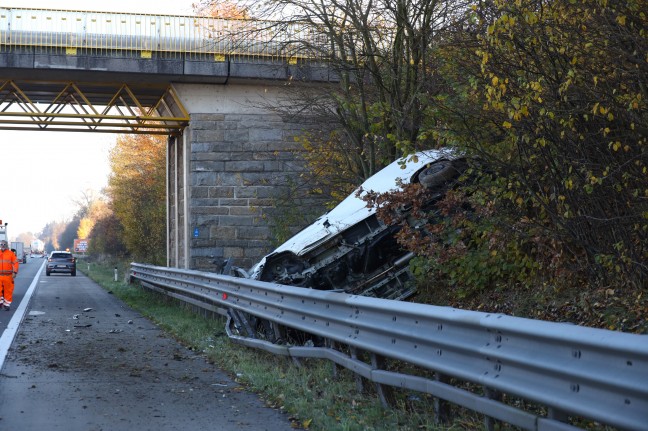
[[349, 249]]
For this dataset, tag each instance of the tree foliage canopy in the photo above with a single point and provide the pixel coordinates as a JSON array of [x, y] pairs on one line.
[[137, 188], [563, 94]]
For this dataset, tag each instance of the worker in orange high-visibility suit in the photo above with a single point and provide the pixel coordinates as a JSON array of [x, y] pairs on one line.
[[8, 271]]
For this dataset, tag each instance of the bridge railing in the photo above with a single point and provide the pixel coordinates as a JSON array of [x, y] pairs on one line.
[[571, 375], [145, 34]]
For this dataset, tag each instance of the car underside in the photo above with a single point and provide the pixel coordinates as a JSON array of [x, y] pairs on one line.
[[364, 260], [352, 251]]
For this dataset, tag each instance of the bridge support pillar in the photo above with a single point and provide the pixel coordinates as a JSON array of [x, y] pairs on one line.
[[227, 172], [176, 202]]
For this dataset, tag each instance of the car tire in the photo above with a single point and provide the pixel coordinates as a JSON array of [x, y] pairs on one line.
[[438, 173], [47, 273], [73, 273]]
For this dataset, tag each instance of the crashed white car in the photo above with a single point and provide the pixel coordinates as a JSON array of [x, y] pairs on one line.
[[349, 249]]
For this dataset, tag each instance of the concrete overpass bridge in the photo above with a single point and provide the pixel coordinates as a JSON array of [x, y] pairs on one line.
[[206, 83]]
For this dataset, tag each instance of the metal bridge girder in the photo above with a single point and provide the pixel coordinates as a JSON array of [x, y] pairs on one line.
[[98, 107]]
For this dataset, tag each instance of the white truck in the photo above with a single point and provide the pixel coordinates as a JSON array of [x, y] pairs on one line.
[[20, 251], [37, 247]]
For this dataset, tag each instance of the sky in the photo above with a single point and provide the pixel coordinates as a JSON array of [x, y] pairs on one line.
[[46, 172]]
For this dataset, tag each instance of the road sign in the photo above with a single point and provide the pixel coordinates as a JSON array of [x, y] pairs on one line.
[[80, 245]]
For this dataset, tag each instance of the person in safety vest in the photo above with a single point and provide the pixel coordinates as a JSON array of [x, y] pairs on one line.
[[8, 270]]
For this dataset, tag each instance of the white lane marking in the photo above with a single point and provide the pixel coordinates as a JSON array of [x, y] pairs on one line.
[[10, 333]]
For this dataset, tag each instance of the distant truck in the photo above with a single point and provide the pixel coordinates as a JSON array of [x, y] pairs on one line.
[[20, 251], [37, 247]]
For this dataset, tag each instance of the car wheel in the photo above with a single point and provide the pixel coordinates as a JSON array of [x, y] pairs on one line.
[[73, 273], [47, 273], [438, 173]]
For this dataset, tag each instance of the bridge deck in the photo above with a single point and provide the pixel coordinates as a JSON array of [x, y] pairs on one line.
[[115, 70]]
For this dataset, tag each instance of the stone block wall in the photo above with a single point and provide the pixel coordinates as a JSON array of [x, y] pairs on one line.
[[240, 163]]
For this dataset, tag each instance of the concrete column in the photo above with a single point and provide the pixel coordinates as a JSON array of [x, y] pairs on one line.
[[170, 208], [177, 171]]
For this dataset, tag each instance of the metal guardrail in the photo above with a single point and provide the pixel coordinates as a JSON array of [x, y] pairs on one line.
[[573, 373], [143, 34]]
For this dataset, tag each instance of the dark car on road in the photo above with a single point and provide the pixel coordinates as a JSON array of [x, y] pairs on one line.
[[61, 261]]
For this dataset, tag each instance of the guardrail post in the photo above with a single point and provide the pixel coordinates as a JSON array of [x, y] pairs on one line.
[[557, 415], [441, 407], [385, 393], [331, 344], [277, 332], [358, 378], [491, 394]]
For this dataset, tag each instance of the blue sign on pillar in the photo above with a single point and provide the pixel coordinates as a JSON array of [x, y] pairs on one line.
[[195, 232]]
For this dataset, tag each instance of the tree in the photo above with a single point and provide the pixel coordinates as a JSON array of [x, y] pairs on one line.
[[96, 209], [106, 237], [137, 188], [565, 104], [220, 9], [554, 106], [26, 238], [51, 235], [69, 234], [381, 50]]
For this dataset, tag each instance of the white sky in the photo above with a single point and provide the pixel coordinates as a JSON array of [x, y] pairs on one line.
[[44, 172]]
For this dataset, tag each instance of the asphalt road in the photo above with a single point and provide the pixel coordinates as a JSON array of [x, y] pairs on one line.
[[81, 360]]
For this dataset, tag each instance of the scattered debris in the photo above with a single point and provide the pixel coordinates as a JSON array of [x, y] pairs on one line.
[[88, 309]]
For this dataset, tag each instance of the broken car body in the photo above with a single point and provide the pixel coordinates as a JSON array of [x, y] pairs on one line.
[[349, 249]]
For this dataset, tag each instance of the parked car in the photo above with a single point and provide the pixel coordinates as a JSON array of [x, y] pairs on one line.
[[61, 261], [349, 249]]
